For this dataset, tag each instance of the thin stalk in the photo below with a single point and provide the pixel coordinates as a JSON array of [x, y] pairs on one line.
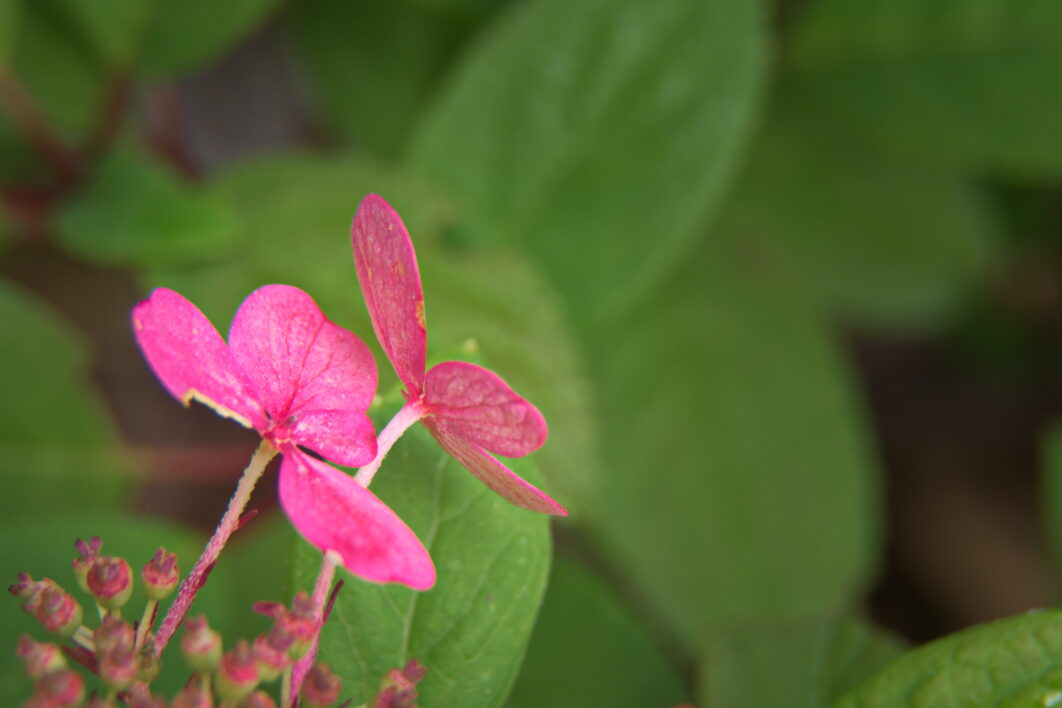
[[145, 622], [320, 596], [229, 522], [409, 414]]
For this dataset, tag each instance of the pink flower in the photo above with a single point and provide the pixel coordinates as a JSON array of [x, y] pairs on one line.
[[301, 382], [469, 410]]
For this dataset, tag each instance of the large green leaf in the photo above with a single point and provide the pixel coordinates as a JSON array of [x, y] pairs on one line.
[[740, 482], [587, 650], [471, 629], [597, 134], [113, 28], [973, 82], [799, 664], [1014, 662], [135, 213], [186, 34], [370, 102], [885, 243]]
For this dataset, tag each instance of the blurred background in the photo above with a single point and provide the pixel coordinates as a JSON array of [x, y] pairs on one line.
[[784, 277]]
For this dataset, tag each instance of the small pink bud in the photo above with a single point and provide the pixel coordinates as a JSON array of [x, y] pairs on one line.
[[258, 699], [320, 688], [201, 645], [399, 688], [61, 688], [296, 627], [271, 655], [38, 657], [144, 699], [57, 611], [28, 590], [110, 580], [237, 674], [87, 553], [160, 575], [117, 667], [193, 695], [113, 633]]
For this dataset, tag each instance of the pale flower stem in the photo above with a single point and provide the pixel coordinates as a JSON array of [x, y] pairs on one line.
[[320, 595], [262, 455], [145, 623], [409, 414]]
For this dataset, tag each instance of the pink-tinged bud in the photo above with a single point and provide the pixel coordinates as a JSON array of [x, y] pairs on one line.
[[100, 703], [87, 553], [117, 667], [193, 695], [201, 645], [58, 612], [271, 655], [144, 699], [113, 633], [320, 688], [160, 575], [295, 627], [61, 689], [110, 580], [28, 590], [258, 699], [148, 661], [237, 674], [38, 657], [399, 688]]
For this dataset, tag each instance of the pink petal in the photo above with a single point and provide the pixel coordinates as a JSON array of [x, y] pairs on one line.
[[495, 475], [296, 359], [190, 359], [343, 436], [472, 403], [390, 283], [335, 513]]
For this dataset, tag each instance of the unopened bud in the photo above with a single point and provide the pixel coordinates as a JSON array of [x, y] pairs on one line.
[[38, 657], [271, 655], [320, 688], [160, 575], [237, 674], [110, 580], [298, 625], [148, 661], [144, 699], [98, 702], [57, 611], [113, 633], [399, 687], [28, 590], [193, 695], [258, 699], [117, 667], [200, 644], [61, 689], [87, 553]]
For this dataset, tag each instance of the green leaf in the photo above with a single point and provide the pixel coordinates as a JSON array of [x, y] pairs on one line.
[[186, 34], [367, 101], [884, 242], [1012, 662], [810, 663], [970, 82], [9, 16], [587, 650], [471, 629], [135, 213], [598, 135], [740, 480], [114, 28]]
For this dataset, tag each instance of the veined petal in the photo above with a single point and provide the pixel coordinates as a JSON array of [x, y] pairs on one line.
[[296, 359], [495, 475], [390, 282], [190, 359], [343, 436], [472, 403], [335, 513]]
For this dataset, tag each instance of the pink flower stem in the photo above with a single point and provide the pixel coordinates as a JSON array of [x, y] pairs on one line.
[[409, 414], [320, 595], [229, 523]]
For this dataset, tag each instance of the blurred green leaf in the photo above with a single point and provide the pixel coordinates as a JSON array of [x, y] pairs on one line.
[[587, 650], [9, 16], [135, 213], [370, 102], [802, 664], [1012, 662], [183, 35], [57, 445], [740, 480], [885, 243], [471, 629], [598, 135], [114, 28], [1051, 486], [972, 82]]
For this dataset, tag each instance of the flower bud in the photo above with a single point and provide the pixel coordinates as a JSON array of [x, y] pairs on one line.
[[271, 655], [28, 590], [61, 688], [39, 658], [200, 644], [148, 661], [87, 553], [320, 688], [98, 702], [57, 611], [193, 695], [399, 687], [113, 633], [110, 580], [117, 667], [160, 575], [258, 699], [144, 699], [297, 624], [237, 674]]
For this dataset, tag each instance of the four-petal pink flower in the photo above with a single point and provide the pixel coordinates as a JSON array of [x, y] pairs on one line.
[[469, 410], [303, 383]]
